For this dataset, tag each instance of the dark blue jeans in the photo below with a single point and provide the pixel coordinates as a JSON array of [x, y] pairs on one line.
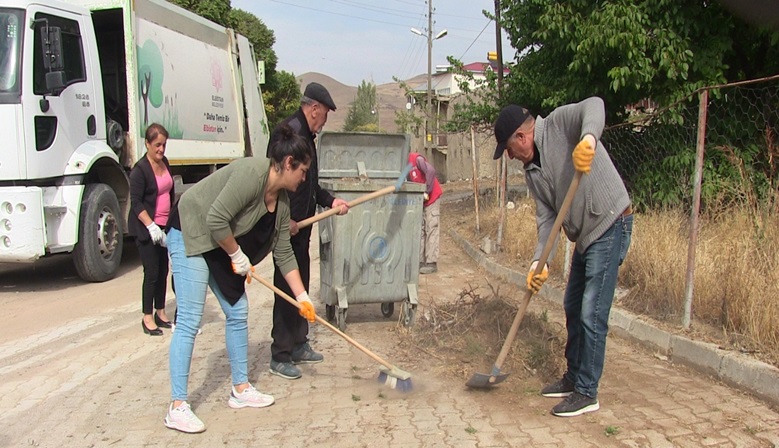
[[587, 303]]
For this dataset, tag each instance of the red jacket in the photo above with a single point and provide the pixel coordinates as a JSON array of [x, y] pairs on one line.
[[424, 173]]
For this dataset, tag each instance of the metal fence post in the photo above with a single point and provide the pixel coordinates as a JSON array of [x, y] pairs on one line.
[[696, 207]]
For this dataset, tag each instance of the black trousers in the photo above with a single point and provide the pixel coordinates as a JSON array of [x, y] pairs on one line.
[[155, 276], [290, 329]]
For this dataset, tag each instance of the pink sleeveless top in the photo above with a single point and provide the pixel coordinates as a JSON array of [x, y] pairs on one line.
[[164, 185]]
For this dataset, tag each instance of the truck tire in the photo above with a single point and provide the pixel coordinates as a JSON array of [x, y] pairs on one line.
[[98, 253]]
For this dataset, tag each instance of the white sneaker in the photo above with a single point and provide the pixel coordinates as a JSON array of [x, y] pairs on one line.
[[183, 419], [250, 397]]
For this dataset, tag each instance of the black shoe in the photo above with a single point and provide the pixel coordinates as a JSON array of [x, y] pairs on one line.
[[155, 332], [306, 355], [560, 389], [576, 404], [161, 323]]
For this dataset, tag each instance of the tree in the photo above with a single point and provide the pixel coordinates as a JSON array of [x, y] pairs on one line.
[[281, 92], [626, 51], [362, 114], [214, 10]]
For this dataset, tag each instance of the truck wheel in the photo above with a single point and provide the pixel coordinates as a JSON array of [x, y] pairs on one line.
[[98, 253]]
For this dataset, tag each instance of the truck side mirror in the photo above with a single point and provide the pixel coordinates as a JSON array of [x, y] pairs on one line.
[[51, 38]]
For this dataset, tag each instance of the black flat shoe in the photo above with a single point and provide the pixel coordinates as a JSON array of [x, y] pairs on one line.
[[161, 323], [155, 332]]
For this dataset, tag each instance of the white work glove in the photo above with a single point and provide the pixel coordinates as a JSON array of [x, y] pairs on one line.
[[164, 242], [426, 196], [155, 232], [241, 263], [306, 307]]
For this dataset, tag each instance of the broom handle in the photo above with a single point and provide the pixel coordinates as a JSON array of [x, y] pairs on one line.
[[550, 241], [355, 202], [327, 324], [376, 194]]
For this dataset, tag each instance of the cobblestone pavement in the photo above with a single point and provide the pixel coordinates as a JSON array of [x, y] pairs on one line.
[[80, 373]]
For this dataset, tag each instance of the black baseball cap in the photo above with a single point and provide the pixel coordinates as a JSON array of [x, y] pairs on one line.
[[318, 92], [510, 118]]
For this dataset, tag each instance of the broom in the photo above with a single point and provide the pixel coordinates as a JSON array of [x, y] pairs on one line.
[[389, 375]]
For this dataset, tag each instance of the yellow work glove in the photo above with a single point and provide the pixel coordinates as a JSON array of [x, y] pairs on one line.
[[535, 282], [583, 154], [306, 307]]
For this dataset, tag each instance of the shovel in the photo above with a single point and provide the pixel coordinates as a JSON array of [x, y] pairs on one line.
[[484, 380], [365, 198]]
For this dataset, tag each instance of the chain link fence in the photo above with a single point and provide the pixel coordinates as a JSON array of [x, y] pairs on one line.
[[729, 256]]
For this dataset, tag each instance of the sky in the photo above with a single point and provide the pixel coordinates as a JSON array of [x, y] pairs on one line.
[[369, 40]]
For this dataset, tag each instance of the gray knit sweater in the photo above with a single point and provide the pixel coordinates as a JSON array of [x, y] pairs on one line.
[[601, 197]]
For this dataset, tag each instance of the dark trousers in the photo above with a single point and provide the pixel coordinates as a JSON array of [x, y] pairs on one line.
[[155, 276], [290, 329]]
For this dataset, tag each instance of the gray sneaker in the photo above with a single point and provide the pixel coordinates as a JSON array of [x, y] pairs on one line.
[[285, 370], [306, 355], [576, 404], [560, 389]]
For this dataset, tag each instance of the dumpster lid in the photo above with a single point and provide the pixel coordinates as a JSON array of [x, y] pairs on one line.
[[360, 154]]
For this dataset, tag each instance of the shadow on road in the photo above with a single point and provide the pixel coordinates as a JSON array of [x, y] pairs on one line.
[[56, 272]]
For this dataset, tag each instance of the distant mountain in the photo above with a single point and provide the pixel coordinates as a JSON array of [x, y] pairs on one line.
[[391, 98]]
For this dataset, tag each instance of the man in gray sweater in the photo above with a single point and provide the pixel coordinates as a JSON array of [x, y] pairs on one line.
[[600, 222]]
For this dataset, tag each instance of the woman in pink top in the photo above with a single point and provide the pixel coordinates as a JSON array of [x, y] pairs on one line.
[[151, 197]]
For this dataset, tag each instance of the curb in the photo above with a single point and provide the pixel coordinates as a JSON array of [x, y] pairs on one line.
[[750, 375]]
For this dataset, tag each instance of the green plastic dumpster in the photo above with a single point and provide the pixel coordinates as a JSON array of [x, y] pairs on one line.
[[371, 254]]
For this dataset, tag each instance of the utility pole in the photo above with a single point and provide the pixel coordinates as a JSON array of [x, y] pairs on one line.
[[503, 162], [429, 114]]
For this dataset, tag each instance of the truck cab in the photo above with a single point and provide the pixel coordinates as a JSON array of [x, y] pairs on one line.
[[80, 81]]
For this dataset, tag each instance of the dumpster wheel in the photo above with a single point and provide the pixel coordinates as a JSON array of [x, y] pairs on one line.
[[330, 312], [340, 317], [409, 313], [387, 309]]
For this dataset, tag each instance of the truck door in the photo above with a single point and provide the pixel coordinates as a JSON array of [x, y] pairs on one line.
[[64, 116]]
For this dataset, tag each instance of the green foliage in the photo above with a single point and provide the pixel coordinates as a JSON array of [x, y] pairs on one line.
[[281, 92], [627, 51], [480, 105], [281, 96], [362, 115], [214, 10]]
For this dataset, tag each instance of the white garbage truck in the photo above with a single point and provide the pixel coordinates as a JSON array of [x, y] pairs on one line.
[[80, 81]]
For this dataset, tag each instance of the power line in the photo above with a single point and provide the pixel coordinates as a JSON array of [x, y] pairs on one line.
[[475, 39]]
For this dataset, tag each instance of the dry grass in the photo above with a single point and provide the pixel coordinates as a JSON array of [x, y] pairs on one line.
[[473, 328], [736, 281]]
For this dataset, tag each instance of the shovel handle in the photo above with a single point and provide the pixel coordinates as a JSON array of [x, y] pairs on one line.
[[550, 241], [327, 324]]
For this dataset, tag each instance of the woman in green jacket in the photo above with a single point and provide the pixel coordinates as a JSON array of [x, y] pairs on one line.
[[221, 228]]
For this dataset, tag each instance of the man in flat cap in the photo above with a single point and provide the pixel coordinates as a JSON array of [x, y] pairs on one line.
[[600, 222], [290, 331]]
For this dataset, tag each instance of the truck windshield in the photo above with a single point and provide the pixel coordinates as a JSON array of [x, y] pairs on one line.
[[10, 54]]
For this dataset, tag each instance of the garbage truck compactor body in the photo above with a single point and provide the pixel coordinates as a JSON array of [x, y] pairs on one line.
[[80, 81]]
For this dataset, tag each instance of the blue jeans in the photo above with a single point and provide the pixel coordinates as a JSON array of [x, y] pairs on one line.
[[587, 303], [191, 276]]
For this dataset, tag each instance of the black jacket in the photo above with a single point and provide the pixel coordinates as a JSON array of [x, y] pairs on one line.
[[143, 196], [304, 200]]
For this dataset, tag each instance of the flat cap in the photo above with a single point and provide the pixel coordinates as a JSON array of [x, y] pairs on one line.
[[318, 92], [510, 118]]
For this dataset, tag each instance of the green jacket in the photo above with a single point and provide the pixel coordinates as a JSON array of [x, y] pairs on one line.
[[230, 202]]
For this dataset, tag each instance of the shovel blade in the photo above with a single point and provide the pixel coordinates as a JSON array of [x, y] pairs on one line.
[[485, 381]]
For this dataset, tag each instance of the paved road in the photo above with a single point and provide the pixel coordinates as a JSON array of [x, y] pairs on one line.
[[76, 371]]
